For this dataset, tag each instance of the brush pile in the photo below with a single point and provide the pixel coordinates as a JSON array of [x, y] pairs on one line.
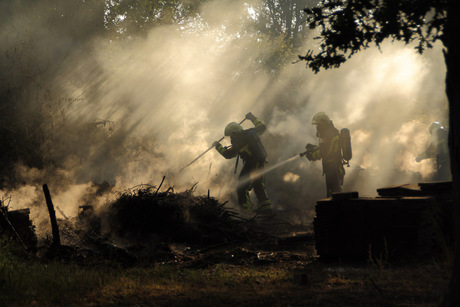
[[143, 225], [143, 214]]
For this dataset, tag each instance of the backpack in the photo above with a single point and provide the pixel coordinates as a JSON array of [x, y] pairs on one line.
[[256, 147], [345, 145]]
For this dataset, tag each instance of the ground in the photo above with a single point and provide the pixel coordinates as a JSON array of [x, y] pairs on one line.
[[205, 255], [284, 271]]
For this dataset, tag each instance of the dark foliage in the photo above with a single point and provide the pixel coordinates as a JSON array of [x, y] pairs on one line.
[[348, 26]]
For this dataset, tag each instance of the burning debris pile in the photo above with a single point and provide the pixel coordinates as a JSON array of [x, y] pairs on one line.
[[143, 224], [143, 214]]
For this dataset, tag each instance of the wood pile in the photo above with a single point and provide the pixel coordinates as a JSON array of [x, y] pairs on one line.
[[403, 221], [17, 224]]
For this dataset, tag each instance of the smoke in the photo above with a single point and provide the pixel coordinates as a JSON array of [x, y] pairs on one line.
[[387, 99], [130, 112]]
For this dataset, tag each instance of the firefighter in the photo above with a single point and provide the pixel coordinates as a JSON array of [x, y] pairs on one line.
[[329, 151], [247, 145], [438, 149]]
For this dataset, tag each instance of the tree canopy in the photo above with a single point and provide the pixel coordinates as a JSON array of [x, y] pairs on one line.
[[347, 26]]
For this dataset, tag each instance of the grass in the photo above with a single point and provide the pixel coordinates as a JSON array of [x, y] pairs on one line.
[[25, 281]]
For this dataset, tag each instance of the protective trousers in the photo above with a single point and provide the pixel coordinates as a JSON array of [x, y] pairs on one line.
[[246, 183], [334, 178]]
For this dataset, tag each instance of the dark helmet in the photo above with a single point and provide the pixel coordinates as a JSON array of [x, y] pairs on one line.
[[232, 128], [320, 119]]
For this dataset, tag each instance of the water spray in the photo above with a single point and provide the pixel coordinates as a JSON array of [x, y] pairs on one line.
[[265, 170]]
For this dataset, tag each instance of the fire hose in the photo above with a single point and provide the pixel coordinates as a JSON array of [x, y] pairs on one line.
[[193, 161]]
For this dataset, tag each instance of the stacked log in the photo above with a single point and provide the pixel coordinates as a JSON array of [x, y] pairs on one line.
[[404, 221], [17, 224]]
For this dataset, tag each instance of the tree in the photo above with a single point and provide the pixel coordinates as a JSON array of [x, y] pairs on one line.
[[126, 18], [280, 27], [37, 39], [275, 17], [348, 26]]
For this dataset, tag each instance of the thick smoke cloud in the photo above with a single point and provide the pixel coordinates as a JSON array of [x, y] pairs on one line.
[[130, 112], [387, 99]]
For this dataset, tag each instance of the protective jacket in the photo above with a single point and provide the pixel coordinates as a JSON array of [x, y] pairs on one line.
[[329, 151], [439, 150], [248, 146]]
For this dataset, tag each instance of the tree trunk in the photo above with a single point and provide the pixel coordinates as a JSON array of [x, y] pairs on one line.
[[452, 58]]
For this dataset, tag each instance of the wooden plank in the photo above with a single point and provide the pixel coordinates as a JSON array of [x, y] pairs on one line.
[[401, 190]]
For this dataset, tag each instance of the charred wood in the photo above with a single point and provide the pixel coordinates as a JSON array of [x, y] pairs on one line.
[[54, 225]]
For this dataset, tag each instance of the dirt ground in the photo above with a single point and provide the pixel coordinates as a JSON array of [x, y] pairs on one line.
[[204, 255], [285, 271]]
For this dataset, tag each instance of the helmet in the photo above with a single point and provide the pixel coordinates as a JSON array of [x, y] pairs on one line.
[[434, 127], [232, 128], [320, 119]]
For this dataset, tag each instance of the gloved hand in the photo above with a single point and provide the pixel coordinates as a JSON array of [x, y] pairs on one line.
[[310, 150], [215, 143], [250, 116], [307, 154], [310, 147]]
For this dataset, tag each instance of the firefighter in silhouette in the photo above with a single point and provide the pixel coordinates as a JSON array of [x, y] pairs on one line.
[[247, 145], [334, 150], [438, 149]]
